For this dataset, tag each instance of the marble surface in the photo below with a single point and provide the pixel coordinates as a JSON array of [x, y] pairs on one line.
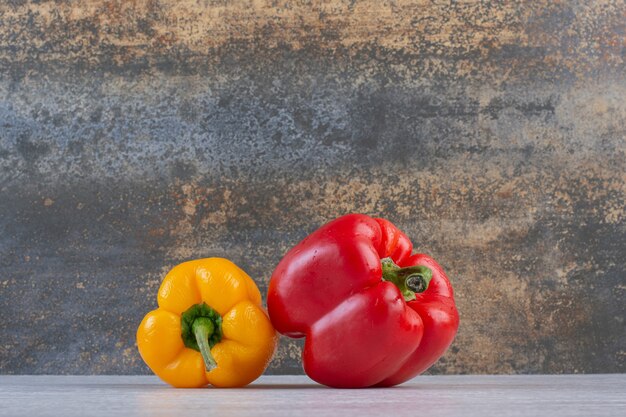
[[276, 396], [135, 135]]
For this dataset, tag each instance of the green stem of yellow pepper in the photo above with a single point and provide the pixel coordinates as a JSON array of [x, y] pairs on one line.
[[203, 329]]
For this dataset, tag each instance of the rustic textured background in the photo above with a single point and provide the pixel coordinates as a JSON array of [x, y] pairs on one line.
[[136, 135]]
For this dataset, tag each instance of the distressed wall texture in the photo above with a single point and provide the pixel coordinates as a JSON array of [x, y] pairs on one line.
[[136, 135]]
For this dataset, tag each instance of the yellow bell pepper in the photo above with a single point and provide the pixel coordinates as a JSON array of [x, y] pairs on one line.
[[210, 327]]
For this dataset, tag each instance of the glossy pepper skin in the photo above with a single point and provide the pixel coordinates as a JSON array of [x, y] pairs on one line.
[[211, 304], [373, 314]]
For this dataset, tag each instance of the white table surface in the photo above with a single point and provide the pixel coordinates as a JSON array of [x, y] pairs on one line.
[[431, 396]]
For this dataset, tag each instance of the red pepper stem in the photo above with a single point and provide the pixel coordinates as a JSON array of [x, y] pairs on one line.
[[203, 329], [410, 279]]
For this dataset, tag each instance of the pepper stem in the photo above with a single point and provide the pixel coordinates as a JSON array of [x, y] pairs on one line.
[[203, 328], [410, 280]]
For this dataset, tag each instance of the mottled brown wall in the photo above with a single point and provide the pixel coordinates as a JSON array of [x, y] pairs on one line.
[[136, 135]]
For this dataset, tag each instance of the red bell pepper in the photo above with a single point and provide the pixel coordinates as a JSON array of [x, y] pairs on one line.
[[372, 313]]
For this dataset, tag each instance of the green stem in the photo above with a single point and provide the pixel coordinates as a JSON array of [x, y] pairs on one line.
[[203, 329], [410, 280]]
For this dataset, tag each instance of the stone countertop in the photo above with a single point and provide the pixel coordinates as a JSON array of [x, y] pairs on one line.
[[485, 395]]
